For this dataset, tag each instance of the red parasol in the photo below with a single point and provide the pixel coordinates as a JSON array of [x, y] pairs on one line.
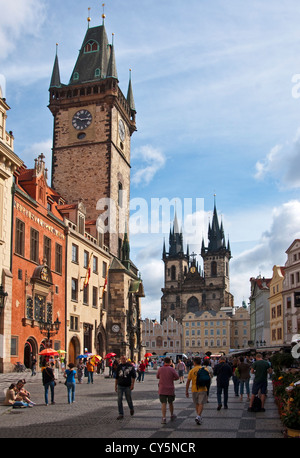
[[48, 352], [147, 355], [110, 355]]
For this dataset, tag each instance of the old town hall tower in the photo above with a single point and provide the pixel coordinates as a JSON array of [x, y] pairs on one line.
[[93, 124], [188, 288]]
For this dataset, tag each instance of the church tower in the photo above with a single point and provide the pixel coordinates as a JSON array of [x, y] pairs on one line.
[[188, 288], [176, 266], [93, 124], [216, 257]]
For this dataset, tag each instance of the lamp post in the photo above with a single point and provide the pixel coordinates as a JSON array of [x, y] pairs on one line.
[[49, 329], [3, 298]]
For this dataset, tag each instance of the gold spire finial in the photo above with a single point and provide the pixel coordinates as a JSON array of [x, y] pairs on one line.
[[89, 18], [103, 14]]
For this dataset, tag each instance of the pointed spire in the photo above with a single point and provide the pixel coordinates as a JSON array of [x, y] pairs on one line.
[[112, 67], [55, 78], [130, 98]]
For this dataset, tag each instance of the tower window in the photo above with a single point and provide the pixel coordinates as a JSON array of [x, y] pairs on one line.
[[76, 76], [213, 269], [97, 72], [173, 273], [91, 46]]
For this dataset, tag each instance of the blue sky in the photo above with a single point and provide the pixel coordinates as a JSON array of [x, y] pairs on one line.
[[215, 88]]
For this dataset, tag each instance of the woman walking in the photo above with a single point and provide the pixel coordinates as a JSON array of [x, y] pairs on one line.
[[70, 382]]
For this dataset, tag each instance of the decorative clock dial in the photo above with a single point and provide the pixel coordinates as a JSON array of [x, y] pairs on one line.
[[115, 328], [121, 130], [82, 119]]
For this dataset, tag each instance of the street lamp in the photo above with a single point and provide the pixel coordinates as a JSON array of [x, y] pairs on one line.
[[49, 329], [3, 297]]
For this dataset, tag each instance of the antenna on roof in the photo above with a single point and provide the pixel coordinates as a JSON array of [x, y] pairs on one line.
[[89, 18]]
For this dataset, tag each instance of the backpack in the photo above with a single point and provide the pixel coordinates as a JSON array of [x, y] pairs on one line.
[[203, 377], [256, 406]]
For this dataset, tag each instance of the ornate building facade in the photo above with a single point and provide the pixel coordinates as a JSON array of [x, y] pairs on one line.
[[9, 162], [38, 266], [188, 288]]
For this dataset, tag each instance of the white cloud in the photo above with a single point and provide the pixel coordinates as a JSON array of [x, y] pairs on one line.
[[19, 18], [269, 250], [32, 151], [150, 160], [282, 163]]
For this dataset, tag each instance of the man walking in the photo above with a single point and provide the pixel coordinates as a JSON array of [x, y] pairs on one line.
[[261, 369], [166, 389], [223, 371], [199, 393], [124, 384]]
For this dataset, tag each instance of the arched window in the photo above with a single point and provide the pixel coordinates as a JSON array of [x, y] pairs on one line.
[[97, 72], [120, 194], [91, 46], [192, 304]]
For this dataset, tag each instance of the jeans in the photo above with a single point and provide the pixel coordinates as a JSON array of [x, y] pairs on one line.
[[71, 392], [90, 377], [223, 388], [246, 383], [46, 386], [127, 391], [236, 382], [141, 376]]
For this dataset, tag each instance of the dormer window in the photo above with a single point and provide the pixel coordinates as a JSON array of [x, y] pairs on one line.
[[97, 72], [76, 76], [91, 46]]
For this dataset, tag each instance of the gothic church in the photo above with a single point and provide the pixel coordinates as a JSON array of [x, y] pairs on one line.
[[186, 287]]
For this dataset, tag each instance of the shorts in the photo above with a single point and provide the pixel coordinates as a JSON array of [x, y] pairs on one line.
[[181, 373], [199, 397], [262, 386], [164, 398]]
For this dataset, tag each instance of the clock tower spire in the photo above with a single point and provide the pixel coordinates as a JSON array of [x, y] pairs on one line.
[[93, 124]]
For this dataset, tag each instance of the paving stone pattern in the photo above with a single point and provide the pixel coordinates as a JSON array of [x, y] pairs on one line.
[[94, 413]]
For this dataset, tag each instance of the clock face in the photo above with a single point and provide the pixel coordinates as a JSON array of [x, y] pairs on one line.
[[193, 270], [115, 328], [82, 119], [121, 130]]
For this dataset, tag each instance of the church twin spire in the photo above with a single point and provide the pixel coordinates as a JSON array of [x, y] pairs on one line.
[[216, 239]]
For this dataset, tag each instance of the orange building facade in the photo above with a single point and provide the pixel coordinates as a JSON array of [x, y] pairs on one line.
[[38, 266]]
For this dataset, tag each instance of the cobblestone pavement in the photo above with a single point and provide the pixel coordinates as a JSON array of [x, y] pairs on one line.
[[94, 414]]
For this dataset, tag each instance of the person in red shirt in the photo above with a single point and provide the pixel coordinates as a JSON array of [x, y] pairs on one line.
[[141, 370], [166, 388]]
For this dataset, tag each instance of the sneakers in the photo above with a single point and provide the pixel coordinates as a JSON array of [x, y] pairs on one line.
[[219, 407], [163, 421], [120, 417], [173, 417], [132, 412], [198, 420]]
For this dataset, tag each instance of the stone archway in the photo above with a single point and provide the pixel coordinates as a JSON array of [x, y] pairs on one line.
[[73, 350], [30, 350], [101, 342]]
